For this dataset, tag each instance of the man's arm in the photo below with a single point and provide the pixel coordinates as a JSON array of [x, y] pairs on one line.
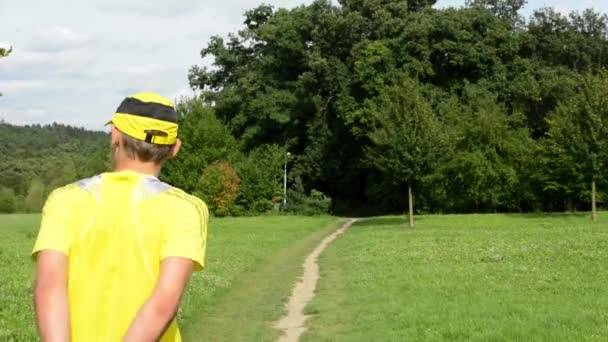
[[51, 297], [158, 311]]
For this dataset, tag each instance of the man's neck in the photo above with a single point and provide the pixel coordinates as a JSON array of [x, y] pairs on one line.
[[151, 169]]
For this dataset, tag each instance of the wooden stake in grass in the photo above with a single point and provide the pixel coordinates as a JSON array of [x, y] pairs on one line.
[[593, 205], [410, 204]]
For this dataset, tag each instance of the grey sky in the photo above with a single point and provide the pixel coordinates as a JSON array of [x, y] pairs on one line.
[[74, 61]]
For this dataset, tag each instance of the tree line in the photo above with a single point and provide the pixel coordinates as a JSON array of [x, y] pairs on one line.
[[384, 102], [474, 109], [37, 159]]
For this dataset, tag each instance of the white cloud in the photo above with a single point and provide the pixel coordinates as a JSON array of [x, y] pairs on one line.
[[19, 86], [24, 116], [57, 38], [156, 8], [144, 68], [28, 64], [563, 6]]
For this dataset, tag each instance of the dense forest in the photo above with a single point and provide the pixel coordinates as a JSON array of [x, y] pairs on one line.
[[36, 159], [371, 102], [474, 109]]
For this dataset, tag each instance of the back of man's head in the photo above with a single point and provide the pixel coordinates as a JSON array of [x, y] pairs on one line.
[[145, 128]]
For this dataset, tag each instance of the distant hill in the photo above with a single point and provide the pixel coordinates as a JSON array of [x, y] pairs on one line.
[[49, 155]]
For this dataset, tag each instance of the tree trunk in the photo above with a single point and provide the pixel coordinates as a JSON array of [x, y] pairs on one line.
[[593, 206], [411, 205]]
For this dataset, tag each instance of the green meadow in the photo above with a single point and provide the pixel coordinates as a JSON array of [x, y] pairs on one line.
[[252, 265], [465, 278], [451, 278]]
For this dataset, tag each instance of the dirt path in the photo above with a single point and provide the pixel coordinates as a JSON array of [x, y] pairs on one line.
[[292, 324]]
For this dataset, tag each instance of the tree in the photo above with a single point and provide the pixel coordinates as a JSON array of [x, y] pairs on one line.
[[576, 146], [62, 173], [261, 174], [507, 10], [310, 79], [490, 153], [205, 139], [34, 199], [577, 41], [408, 140], [56, 154], [4, 52], [7, 201]]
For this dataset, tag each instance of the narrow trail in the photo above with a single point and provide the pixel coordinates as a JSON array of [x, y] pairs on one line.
[[292, 324]]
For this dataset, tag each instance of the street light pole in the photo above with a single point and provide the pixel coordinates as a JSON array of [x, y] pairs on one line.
[[285, 182]]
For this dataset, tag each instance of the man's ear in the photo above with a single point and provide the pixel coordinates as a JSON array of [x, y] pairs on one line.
[[175, 150], [115, 136]]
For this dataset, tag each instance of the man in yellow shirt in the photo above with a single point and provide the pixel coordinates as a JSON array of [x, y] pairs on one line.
[[116, 251]]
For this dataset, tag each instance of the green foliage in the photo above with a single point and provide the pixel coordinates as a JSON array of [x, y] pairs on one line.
[[314, 78], [576, 145], [35, 197], [61, 175], [298, 202], [576, 41], [7, 200], [54, 154], [507, 10], [218, 187], [5, 52], [261, 174], [409, 139], [489, 148], [205, 140], [321, 80]]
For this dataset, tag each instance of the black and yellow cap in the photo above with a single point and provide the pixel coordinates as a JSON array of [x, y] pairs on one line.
[[148, 117]]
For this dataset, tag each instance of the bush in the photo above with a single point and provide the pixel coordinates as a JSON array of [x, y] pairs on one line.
[[205, 140], [261, 176], [316, 203], [218, 187], [34, 199], [7, 201]]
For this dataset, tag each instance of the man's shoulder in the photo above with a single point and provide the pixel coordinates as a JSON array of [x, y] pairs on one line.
[[87, 184], [78, 189], [182, 199], [74, 196]]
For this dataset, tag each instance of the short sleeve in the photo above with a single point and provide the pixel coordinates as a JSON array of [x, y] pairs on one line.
[[186, 235], [54, 233]]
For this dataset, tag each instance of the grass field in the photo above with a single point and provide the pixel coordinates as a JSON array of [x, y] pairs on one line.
[[17, 234], [257, 259], [465, 278], [452, 278]]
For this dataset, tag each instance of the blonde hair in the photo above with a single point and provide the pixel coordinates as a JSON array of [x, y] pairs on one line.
[[145, 152]]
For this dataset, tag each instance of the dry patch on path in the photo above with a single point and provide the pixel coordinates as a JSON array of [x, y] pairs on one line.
[[292, 324]]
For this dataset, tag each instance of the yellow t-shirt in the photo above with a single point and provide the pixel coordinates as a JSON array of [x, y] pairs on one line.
[[115, 229]]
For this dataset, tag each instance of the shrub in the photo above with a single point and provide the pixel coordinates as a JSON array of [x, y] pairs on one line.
[[298, 202], [261, 176], [218, 187], [205, 140], [34, 199], [7, 201]]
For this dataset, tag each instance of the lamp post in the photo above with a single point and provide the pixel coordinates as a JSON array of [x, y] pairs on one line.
[[285, 182]]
